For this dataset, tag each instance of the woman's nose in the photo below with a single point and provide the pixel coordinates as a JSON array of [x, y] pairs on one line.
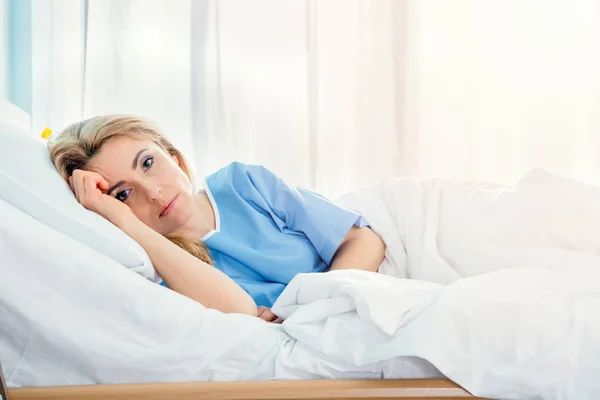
[[153, 192]]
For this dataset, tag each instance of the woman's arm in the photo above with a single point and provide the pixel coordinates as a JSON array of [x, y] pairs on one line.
[[360, 249], [181, 271], [188, 275]]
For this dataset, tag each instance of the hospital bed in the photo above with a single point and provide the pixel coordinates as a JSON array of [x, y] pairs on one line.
[[317, 389], [272, 390], [99, 326]]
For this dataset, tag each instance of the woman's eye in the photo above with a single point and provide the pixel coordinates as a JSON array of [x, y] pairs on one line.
[[148, 163], [122, 195]]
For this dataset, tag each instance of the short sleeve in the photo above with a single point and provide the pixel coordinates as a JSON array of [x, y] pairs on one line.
[[324, 223]]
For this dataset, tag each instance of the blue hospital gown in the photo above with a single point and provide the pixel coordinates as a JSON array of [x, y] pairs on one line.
[[267, 231]]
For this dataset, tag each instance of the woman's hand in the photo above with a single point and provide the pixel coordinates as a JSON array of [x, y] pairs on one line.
[[265, 313], [88, 187]]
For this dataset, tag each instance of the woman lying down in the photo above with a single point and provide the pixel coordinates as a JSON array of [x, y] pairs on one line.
[[233, 246]]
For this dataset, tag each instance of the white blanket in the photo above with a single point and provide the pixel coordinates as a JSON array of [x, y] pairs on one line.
[[523, 326], [512, 334], [440, 231]]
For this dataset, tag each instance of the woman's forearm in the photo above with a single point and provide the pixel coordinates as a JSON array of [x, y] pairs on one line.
[[188, 275], [361, 249]]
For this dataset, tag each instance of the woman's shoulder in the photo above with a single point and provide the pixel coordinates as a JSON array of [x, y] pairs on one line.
[[238, 172], [248, 181]]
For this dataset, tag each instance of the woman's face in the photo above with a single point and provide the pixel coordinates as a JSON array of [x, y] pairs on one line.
[[148, 180]]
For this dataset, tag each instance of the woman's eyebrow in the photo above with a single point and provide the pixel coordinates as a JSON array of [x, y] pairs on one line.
[[113, 187], [137, 157]]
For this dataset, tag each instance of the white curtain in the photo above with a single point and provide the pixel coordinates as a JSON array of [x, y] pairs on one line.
[[307, 88], [139, 61], [498, 88], [57, 62], [3, 51], [337, 94]]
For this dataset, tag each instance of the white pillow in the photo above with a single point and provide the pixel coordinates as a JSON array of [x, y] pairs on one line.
[[29, 181]]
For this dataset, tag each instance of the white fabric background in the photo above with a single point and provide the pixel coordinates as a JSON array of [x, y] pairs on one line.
[[336, 94]]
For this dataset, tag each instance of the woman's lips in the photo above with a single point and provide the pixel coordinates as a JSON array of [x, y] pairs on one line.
[[168, 207]]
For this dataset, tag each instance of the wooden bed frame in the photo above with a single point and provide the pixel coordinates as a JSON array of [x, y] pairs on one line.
[[443, 389], [405, 389]]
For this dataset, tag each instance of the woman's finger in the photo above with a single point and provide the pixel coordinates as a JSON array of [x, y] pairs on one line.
[[76, 183], [101, 183], [85, 183], [270, 316], [90, 187], [274, 318], [265, 316]]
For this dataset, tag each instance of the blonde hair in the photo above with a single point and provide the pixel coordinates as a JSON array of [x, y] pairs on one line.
[[81, 141]]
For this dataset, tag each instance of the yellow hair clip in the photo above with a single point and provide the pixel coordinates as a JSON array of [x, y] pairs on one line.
[[46, 133]]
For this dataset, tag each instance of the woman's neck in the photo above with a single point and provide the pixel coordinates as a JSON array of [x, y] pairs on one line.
[[205, 214], [202, 220]]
